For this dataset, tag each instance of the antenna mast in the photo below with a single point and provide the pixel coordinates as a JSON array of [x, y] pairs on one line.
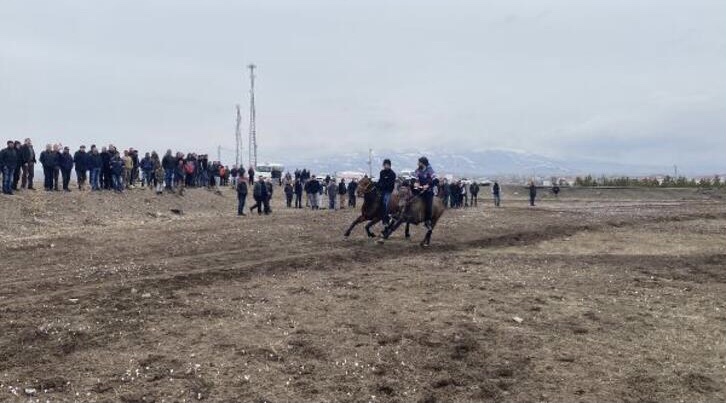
[[253, 129], [237, 136]]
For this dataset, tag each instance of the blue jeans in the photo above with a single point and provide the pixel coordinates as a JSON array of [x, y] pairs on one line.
[[168, 177], [118, 182], [95, 173], [8, 173], [384, 209]]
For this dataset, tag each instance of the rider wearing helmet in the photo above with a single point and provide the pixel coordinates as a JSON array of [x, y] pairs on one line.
[[425, 178], [386, 184]]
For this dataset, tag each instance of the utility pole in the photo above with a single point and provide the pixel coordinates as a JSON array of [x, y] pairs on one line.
[[253, 129], [237, 137]]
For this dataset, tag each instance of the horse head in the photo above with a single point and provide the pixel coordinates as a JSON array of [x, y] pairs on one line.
[[365, 186]]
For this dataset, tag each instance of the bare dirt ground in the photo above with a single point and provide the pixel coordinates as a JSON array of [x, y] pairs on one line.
[[618, 296]]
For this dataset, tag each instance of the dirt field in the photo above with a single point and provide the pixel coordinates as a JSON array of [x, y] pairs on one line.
[[618, 295]]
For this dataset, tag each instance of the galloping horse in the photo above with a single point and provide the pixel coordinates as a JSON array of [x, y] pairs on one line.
[[411, 210], [372, 205]]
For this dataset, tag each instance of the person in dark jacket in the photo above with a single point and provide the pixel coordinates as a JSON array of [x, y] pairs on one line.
[[532, 193], [474, 189], [27, 157], [49, 160], [65, 163], [496, 190], [289, 193], [18, 167], [147, 170], [134, 154], [80, 158], [117, 170], [298, 190], [259, 193], [352, 188], [386, 184], [8, 163], [313, 190], [95, 163], [268, 200], [106, 177], [425, 183], [169, 165], [342, 191], [251, 174], [242, 189]]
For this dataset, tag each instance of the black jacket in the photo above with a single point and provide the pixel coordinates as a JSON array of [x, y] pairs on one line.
[[352, 187], [298, 188], [168, 162], [27, 154], [105, 161], [387, 180], [49, 159], [9, 158], [81, 160], [94, 161], [65, 161], [242, 189], [341, 188]]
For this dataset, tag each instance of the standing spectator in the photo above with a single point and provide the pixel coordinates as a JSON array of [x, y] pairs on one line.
[[233, 173], [180, 174], [27, 156], [496, 190], [259, 193], [18, 166], [66, 166], [251, 174], [298, 189], [332, 191], [106, 177], [268, 200], [147, 170], [117, 170], [465, 194], [386, 184], [95, 164], [455, 191], [80, 158], [289, 193], [313, 189], [556, 189], [446, 192], [241, 194], [169, 165], [8, 163], [352, 188], [159, 173], [532, 193], [128, 169], [474, 194], [49, 160], [134, 154], [342, 191]]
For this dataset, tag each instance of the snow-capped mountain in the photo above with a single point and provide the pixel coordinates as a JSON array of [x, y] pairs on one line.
[[471, 163]]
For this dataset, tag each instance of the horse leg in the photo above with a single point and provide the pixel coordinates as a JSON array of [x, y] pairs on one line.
[[369, 225], [393, 227], [427, 239], [408, 233], [357, 221]]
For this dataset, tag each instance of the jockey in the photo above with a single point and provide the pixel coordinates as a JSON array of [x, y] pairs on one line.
[[386, 184], [425, 182]]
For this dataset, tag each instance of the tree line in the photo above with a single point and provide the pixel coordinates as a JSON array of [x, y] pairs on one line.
[[666, 182]]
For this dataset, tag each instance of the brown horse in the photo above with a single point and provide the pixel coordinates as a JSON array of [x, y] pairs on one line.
[[372, 205], [411, 210]]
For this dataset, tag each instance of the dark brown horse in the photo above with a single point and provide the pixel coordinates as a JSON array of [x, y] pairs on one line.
[[372, 205], [411, 210]]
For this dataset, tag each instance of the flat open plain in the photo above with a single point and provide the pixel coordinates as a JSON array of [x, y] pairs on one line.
[[619, 295]]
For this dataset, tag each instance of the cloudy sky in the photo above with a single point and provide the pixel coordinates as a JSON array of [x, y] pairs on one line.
[[631, 81]]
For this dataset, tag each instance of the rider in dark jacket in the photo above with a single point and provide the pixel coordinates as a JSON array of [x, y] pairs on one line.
[[386, 184], [425, 178]]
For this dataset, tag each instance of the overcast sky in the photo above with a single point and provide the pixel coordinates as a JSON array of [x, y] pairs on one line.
[[630, 81]]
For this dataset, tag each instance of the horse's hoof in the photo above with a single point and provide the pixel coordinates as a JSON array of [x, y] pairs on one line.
[[380, 241]]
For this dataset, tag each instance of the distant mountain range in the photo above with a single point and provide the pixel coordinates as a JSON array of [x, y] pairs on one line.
[[489, 163]]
